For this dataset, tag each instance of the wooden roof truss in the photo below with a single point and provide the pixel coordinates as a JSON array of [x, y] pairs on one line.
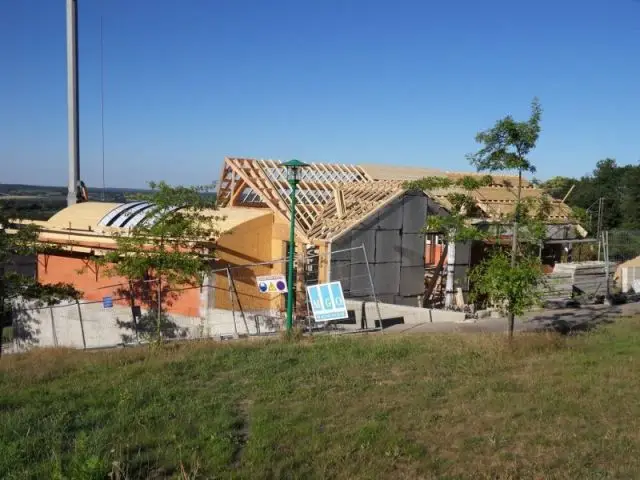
[[360, 201], [333, 198], [263, 183]]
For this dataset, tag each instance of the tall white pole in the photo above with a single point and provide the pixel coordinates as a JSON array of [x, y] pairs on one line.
[[451, 269], [72, 100]]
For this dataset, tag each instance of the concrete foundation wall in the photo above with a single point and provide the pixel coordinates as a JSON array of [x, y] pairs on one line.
[[105, 327], [411, 315]]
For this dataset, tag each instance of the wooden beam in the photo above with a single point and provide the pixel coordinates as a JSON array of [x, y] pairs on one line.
[[239, 188]]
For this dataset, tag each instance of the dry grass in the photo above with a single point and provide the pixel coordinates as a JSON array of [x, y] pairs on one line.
[[438, 406]]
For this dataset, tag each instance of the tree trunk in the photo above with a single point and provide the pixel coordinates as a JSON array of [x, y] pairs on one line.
[[159, 309], [514, 248]]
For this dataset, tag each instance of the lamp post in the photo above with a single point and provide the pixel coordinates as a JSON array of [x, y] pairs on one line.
[[293, 167]]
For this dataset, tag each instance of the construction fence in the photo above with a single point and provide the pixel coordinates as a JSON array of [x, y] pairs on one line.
[[621, 249], [227, 304], [596, 268]]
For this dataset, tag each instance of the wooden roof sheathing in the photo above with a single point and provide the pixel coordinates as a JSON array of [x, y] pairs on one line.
[[81, 216], [392, 172], [78, 228], [359, 202]]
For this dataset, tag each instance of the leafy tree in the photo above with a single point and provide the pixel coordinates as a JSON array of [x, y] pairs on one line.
[[17, 241], [558, 187], [514, 289], [511, 287], [172, 247], [619, 188], [506, 147], [630, 198], [455, 226]]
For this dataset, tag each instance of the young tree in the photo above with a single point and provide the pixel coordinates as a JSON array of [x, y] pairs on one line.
[[18, 241], [506, 147], [172, 246], [512, 288]]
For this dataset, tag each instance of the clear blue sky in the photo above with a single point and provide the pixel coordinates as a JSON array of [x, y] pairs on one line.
[[404, 82]]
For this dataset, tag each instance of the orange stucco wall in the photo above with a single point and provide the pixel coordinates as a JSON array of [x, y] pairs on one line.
[[249, 243], [78, 271], [95, 285]]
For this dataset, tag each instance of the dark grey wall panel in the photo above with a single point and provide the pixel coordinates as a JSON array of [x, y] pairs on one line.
[[343, 243], [388, 246], [370, 223], [390, 217], [463, 253], [341, 270], [383, 298], [414, 213], [387, 278], [366, 238], [360, 283], [411, 280], [395, 249], [406, 301], [460, 275], [413, 245]]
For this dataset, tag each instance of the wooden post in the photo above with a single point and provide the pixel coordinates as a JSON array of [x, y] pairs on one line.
[[233, 285], [233, 311], [53, 328], [84, 340]]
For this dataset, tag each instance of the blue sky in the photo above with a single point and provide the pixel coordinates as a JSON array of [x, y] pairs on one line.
[[354, 81]]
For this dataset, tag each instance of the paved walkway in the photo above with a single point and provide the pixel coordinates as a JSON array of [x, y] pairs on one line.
[[564, 320]]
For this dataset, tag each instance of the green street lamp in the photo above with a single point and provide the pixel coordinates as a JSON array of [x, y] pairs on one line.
[[293, 167]]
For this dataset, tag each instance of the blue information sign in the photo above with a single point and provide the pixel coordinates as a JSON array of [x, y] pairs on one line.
[[327, 301], [107, 302]]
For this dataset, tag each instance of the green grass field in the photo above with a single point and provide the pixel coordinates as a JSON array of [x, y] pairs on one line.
[[438, 406]]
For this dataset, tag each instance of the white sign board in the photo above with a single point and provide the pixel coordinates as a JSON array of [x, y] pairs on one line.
[[327, 301], [272, 284]]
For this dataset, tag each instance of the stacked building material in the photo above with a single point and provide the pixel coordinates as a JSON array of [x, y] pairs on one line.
[[557, 287], [588, 278]]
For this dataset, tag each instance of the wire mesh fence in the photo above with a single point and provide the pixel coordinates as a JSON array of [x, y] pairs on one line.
[[622, 253], [228, 303], [351, 267]]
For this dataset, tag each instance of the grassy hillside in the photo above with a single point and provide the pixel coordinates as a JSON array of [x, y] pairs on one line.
[[439, 406]]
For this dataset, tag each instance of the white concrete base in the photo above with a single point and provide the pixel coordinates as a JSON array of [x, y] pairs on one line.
[[60, 326], [411, 315]]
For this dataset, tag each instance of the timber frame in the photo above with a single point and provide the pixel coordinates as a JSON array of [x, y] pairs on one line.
[[333, 198]]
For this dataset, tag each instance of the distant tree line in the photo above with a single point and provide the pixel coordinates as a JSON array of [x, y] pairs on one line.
[[618, 186]]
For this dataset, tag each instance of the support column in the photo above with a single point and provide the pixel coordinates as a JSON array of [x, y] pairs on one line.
[[451, 267], [72, 101]]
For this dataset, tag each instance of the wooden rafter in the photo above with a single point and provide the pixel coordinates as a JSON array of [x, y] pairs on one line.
[[361, 201], [266, 196], [317, 216], [239, 187], [304, 205]]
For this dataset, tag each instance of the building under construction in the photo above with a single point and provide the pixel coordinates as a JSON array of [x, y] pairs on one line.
[[343, 212]]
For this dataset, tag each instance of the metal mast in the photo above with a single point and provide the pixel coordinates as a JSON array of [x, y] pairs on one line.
[[72, 100]]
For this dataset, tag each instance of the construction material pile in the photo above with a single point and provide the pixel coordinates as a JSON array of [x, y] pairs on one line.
[[558, 286], [587, 278]]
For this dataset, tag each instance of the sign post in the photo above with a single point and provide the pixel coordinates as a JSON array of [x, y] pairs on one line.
[[327, 302]]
